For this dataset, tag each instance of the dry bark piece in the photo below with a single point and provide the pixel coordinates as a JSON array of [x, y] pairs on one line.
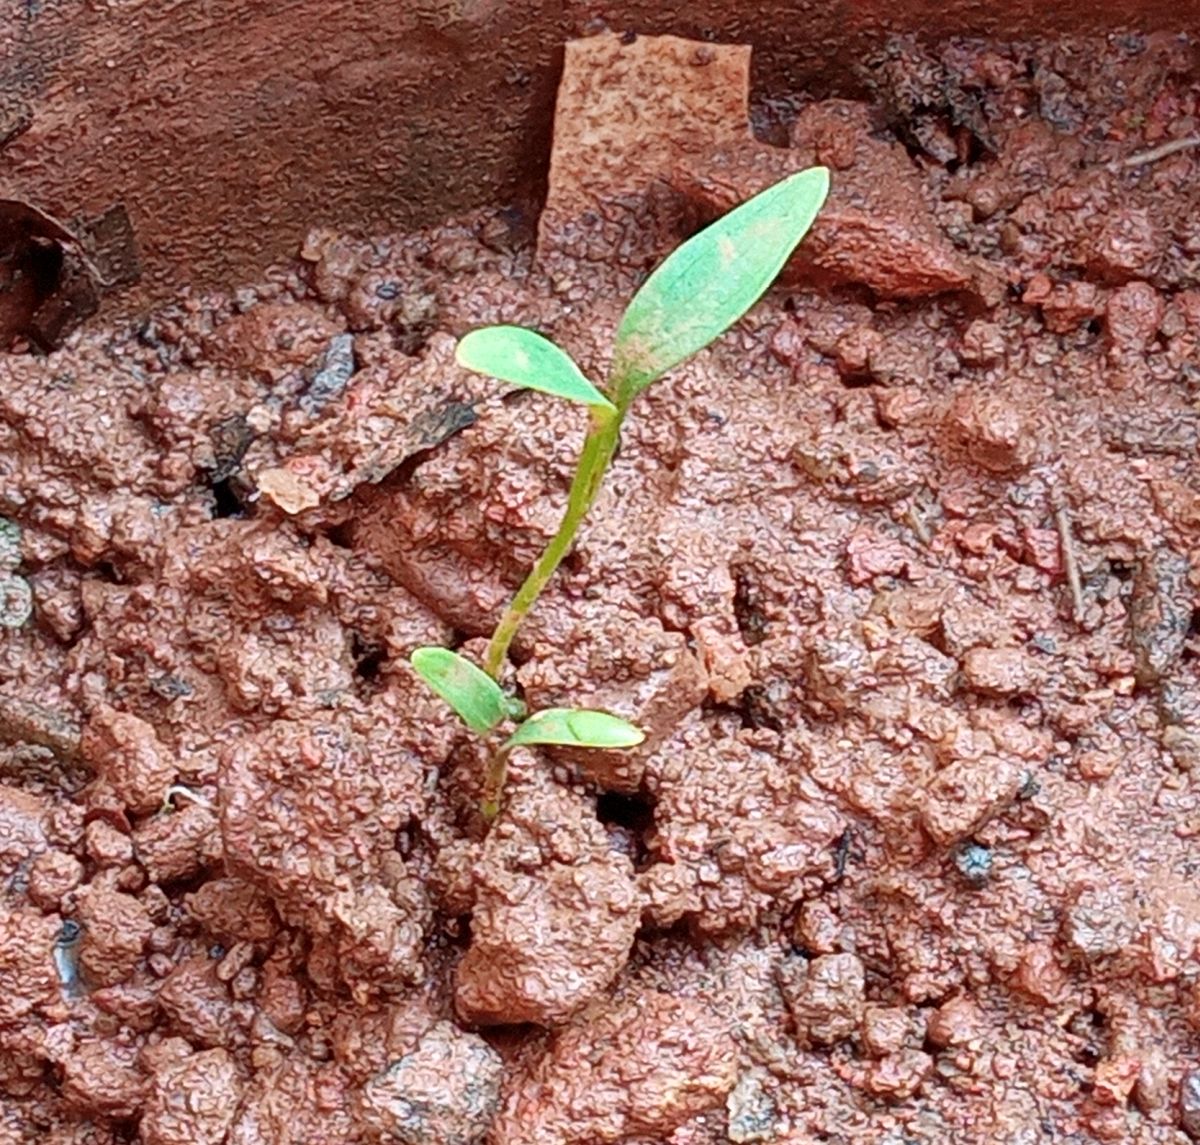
[[48, 285], [626, 112]]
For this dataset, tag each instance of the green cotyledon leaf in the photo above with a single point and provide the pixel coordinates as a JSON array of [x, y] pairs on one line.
[[704, 286], [576, 727], [476, 698], [525, 358]]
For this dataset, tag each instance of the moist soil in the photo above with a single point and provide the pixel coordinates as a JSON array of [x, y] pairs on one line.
[[900, 578]]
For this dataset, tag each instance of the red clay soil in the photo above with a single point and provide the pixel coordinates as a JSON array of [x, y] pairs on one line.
[[900, 578]]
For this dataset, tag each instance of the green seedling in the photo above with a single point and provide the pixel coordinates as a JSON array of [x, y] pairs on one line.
[[690, 300]]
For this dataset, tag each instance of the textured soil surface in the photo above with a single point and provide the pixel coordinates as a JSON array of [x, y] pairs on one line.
[[900, 578]]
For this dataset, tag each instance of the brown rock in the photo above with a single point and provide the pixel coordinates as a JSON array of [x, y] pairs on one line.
[[296, 1100], [543, 945], [898, 1076], [992, 432], [446, 1090], [983, 344], [178, 844], [197, 1003], [1115, 1078], [193, 1101], [1001, 672], [1068, 305], [309, 813], [28, 981], [1132, 318], [233, 909], [622, 664], [126, 753], [636, 1069], [22, 830], [1127, 243], [1103, 920], [875, 229], [1040, 976], [53, 875], [737, 832], [955, 1022], [116, 928], [825, 996], [271, 338], [100, 1079], [887, 1030], [965, 795], [106, 845]]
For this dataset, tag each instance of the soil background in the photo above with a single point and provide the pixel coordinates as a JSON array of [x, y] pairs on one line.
[[224, 131], [900, 577]]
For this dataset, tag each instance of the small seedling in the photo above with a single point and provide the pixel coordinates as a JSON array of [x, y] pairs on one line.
[[691, 299]]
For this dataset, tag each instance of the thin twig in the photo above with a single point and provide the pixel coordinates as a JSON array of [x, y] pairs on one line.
[[1162, 151], [917, 523], [1062, 521]]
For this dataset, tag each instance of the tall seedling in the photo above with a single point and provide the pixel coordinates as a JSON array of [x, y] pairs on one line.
[[692, 298]]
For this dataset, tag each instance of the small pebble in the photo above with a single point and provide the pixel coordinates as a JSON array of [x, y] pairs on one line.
[[974, 863]]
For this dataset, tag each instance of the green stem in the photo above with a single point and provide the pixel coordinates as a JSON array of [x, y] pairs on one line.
[[594, 459], [493, 784]]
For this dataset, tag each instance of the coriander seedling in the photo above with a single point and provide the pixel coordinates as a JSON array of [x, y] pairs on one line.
[[691, 299]]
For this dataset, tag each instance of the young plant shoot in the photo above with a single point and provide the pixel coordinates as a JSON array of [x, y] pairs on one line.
[[690, 300]]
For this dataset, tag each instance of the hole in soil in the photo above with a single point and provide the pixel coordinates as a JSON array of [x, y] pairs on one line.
[[109, 572], [341, 535], [635, 812], [369, 658], [752, 624], [627, 818], [757, 710], [225, 501], [1191, 644]]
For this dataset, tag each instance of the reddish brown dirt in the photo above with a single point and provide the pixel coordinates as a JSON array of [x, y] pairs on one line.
[[901, 578]]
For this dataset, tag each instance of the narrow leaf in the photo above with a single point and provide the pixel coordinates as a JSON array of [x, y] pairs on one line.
[[714, 278], [575, 727], [525, 358], [475, 697]]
